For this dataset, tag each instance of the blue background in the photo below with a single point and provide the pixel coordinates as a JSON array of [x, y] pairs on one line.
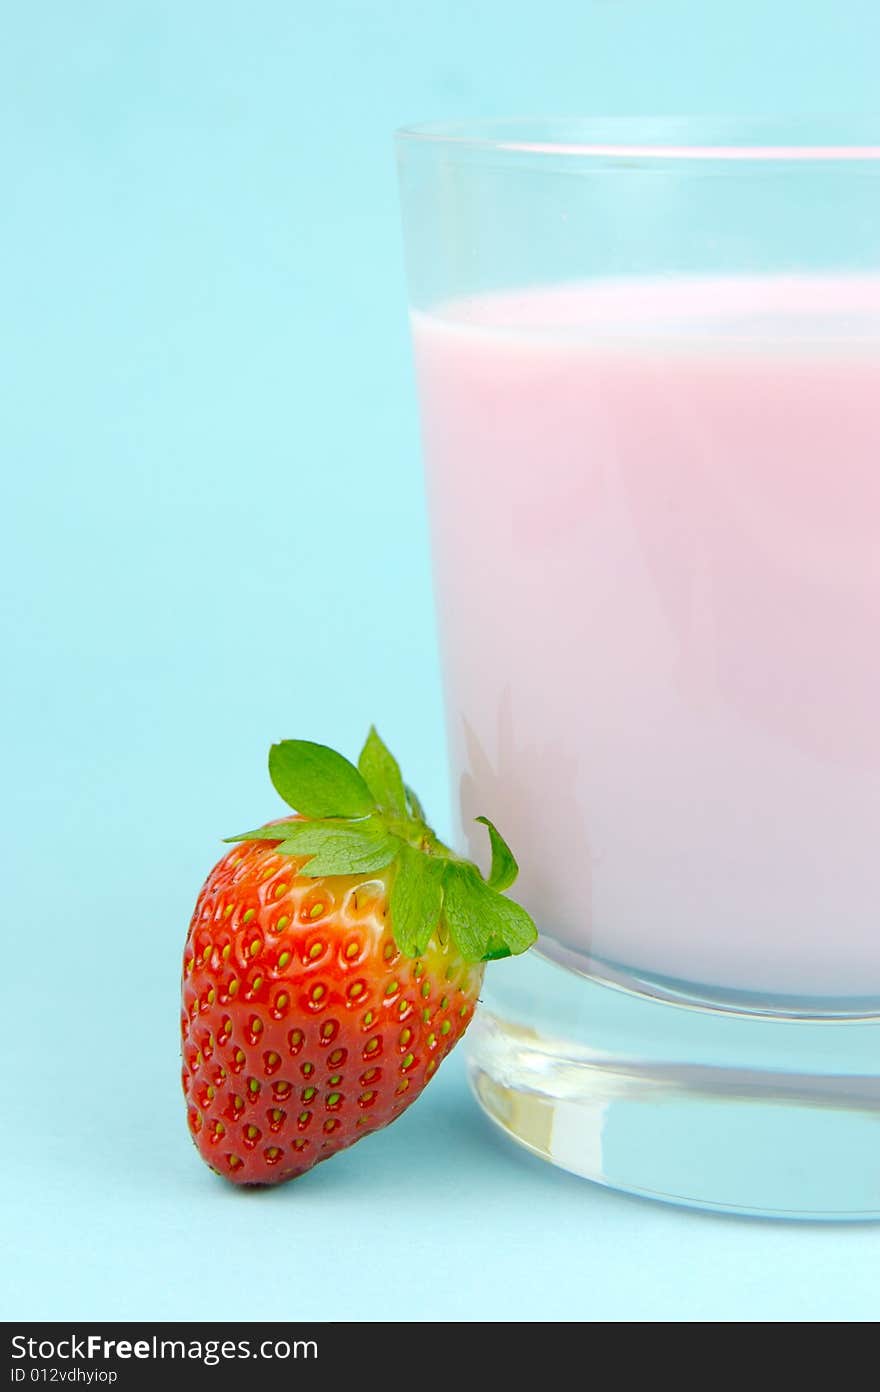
[[214, 537]]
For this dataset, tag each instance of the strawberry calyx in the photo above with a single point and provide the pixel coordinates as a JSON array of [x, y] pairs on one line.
[[359, 820]]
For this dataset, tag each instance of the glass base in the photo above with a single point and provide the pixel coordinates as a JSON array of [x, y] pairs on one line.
[[711, 1108]]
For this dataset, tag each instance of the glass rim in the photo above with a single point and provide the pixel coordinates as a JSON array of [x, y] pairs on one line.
[[682, 138]]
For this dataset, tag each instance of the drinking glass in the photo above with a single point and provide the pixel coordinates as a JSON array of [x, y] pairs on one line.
[[648, 364]]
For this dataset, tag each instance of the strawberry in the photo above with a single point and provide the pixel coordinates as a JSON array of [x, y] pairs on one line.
[[332, 962]]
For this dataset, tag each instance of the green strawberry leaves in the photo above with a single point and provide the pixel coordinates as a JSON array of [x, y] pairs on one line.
[[414, 807], [484, 924], [507, 929], [381, 773], [504, 868], [317, 781], [358, 821], [458, 911], [337, 849], [416, 900], [275, 831]]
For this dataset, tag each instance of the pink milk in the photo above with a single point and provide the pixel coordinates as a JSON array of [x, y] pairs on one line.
[[656, 515]]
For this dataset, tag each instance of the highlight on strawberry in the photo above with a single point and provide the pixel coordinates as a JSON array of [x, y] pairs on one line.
[[333, 960]]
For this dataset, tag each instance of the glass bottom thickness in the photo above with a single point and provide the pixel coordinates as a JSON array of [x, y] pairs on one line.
[[776, 1117]]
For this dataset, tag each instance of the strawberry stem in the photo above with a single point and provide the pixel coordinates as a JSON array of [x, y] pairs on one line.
[[358, 821]]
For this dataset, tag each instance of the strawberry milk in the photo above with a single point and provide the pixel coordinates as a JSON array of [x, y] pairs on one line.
[[656, 516]]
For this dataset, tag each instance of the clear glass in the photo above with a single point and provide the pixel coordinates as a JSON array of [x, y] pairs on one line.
[[648, 359]]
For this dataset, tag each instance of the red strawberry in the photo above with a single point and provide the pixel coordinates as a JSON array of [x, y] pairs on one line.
[[332, 962]]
